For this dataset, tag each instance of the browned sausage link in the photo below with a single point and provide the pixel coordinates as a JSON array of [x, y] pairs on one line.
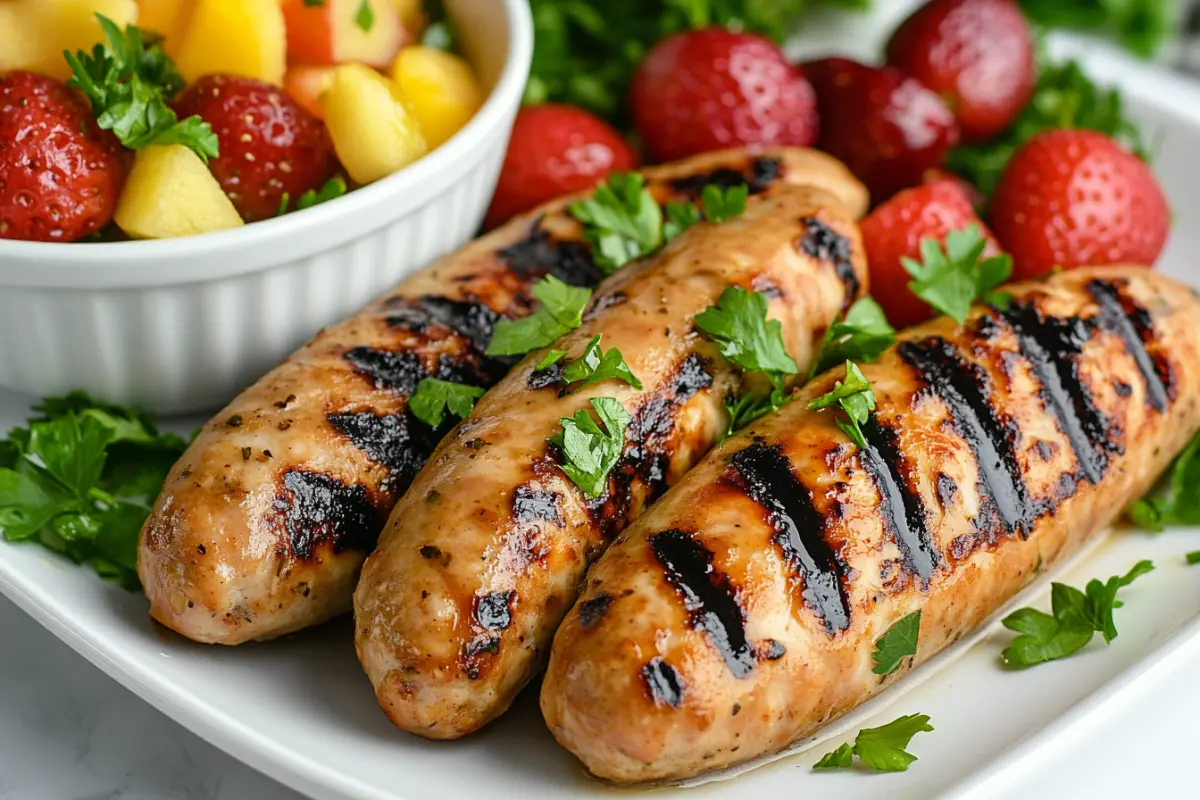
[[481, 559], [740, 613], [264, 522]]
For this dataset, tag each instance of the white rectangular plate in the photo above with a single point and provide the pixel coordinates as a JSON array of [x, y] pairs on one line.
[[302, 711]]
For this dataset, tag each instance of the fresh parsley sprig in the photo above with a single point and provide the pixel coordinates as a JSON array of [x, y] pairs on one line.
[[855, 397], [79, 479], [596, 365], [560, 312], [719, 205], [128, 85], [1139, 25], [435, 397], [950, 280], [622, 221], [896, 644], [1192, 558], [1180, 504], [589, 451], [1064, 98], [1076, 617], [882, 749], [862, 335], [334, 188]]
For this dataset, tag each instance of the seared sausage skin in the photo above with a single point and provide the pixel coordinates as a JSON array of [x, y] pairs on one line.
[[480, 560], [263, 524], [740, 612]]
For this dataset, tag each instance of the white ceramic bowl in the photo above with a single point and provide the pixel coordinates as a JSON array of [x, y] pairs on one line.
[[182, 325]]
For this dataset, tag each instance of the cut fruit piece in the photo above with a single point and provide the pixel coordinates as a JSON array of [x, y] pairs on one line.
[[40, 30], [344, 31], [235, 37], [170, 193], [304, 83], [439, 87], [373, 131], [169, 18]]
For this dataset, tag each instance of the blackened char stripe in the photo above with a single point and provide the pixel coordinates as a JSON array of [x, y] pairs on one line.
[[966, 391], [765, 475], [663, 683], [825, 244], [1052, 347], [1134, 329], [397, 441], [320, 510], [904, 513], [473, 321], [709, 597], [758, 176], [539, 254]]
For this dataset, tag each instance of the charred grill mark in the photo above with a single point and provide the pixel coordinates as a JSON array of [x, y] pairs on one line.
[[771, 650], [708, 596], [318, 509], [473, 321], [474, 652], [694, 375], [602, 302], [825, 244], [1052, 347], [758, 175], [765, 475], [1119, 315], [397, 441], [903, 512], [592, 611], [546, 377], [401, 371], [947, 489], [540, 254], [966, 390], [663, 683], [531, 505], [493, 611]]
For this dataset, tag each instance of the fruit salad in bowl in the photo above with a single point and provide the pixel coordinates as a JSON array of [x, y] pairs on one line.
[[192, 186]]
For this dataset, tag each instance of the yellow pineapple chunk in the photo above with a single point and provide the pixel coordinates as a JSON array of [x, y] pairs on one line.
[[440, 89], [373, 132], [166, 17], [20, 47], [169, 193], [238, 37], [36, 32]]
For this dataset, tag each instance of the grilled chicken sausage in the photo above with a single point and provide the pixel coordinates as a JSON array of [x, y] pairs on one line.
[[264, 522], [740, 613], [456, 608]]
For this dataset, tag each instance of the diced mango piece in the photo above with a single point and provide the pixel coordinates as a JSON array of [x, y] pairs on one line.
[[373, 132], [169, 193], [305, 83], [237, 37], [36, 32], [440, 89], [341, 31], [167, 17]]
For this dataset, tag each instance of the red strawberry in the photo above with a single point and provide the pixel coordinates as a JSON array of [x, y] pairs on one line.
[[555, 150], [976, 54], [712, 88], [60, 175], [886, 126], [1072, 198], [269, 144], [896, 228]]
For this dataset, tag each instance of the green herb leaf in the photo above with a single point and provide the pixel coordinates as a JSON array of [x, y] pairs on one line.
[[1193, 557], [723, 204], [897, 643], [621, 221], [750, 406], [128, 85], [1180, 504], [589, 451], [855, 397], [1147, 513], [1140, 25], [596, 365], [738, 324], [315, 3], [552, 357], [1063, 98], [364, 18], [79, 478], [433, 397], [680, 217], [862, 335], [950, 280], [1077, 616], [334, 188], [560, 313], [841, 758]]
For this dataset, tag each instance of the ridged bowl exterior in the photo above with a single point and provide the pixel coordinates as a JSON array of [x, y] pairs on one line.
[[182, 325]]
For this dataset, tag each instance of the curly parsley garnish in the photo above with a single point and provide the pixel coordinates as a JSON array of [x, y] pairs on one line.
[[1180, 505], [589, 451], [622, 221], [560, 313], [855, 397], [79, 481], [862, 335], [950, 280], [1077, 616], [128, 85], [596, 365], [897, 643], [882, 748], [334, 188], [434, 397]]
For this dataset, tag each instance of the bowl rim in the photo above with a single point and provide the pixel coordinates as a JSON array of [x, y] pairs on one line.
[[300, 234]]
